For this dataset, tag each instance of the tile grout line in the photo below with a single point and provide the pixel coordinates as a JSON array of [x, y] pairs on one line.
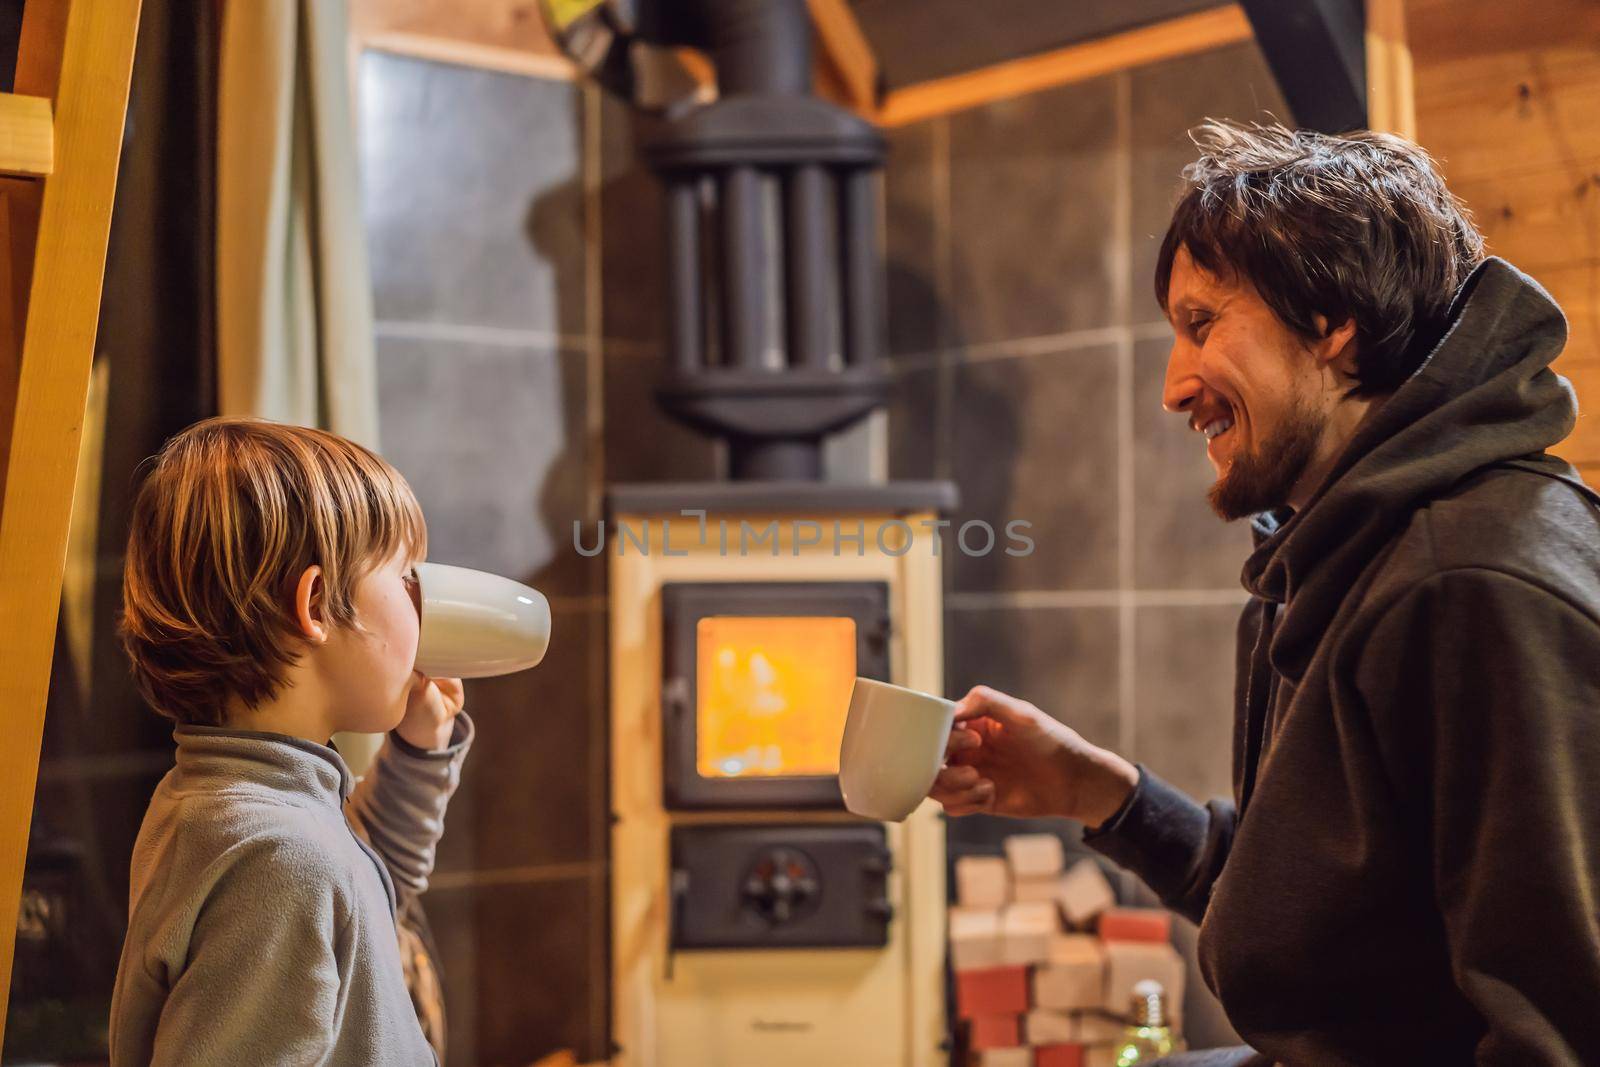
[[1041, 344], [1127, 616], [600, 1021], [594, 434], [594, 411], [620, 346], [592, 602], [530, 874], [1096, 598], [490, 336], [109, 766], [944, 283], [1045, 345]]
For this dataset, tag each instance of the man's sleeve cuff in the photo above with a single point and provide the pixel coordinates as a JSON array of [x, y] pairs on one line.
[[1158, 833]]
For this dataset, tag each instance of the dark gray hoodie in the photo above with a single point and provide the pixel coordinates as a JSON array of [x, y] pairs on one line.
[[1409, 869]]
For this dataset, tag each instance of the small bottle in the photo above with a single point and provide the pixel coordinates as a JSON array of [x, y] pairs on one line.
[[1147, 1037]]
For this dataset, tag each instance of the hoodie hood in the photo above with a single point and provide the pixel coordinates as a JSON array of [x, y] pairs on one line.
[[1484, 395]]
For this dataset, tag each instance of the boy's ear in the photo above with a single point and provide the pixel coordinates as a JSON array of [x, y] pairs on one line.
[[308, 594]]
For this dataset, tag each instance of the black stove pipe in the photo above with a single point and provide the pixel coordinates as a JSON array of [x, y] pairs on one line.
[[758, 46], [772, 228]]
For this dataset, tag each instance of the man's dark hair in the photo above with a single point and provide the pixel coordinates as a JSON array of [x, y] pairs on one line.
[[1358, 226]]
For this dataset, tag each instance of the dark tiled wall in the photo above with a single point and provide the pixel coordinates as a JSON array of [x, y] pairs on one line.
[[642, 444], [1029, 355], [479, 199]]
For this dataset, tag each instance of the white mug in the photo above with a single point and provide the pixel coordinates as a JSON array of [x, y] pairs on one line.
[[476, 625], [893, 748]]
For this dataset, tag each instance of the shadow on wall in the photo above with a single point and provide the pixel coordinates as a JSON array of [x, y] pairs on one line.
[[567, 478], [535, 994], [475, 197]]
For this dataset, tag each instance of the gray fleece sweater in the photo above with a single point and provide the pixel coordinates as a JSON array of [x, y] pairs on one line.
[[261, 922]]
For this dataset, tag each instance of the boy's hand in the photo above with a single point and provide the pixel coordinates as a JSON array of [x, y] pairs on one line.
[[431, 710]]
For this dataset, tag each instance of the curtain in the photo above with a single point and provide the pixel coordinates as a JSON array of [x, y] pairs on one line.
[[294, 300]]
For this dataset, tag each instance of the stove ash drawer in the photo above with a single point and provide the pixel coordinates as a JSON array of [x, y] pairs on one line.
[[780, 886]]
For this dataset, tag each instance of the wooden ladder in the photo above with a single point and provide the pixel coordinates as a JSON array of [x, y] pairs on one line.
[[60, 139]]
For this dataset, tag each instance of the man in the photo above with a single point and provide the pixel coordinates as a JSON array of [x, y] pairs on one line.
[[1409, 869]]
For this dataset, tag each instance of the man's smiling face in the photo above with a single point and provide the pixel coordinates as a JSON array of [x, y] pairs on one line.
[[1248, 384]]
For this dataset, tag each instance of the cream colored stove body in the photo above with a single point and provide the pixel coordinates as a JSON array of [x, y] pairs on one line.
[[768, 1008]]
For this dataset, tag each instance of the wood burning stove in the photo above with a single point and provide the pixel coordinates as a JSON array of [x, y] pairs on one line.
[[754, 920]]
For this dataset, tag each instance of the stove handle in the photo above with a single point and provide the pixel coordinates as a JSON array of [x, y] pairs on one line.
[[677, 729], [876, 868], [680, 896], [675, 696]]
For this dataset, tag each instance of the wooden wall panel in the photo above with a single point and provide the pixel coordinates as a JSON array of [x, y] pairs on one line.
[[1453, 29], [1549, 217], [515, 25], [1510, 112], [506, 35], [1508, 100]]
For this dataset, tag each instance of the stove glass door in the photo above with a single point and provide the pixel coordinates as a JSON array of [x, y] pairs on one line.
[[772, 694], [756, 687]]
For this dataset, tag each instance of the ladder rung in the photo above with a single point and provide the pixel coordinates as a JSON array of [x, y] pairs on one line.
[[27, 136]]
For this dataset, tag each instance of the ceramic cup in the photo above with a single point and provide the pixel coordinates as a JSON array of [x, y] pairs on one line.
[[476, 625], [893, 748]]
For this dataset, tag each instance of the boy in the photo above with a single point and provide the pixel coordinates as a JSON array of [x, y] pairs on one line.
[[269, 602]]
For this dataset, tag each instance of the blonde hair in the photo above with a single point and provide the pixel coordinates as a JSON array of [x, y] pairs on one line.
[[232, 513]]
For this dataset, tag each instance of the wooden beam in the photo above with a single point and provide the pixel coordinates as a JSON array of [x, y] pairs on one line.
[[91, 97], [1391, 96], [846, 51], [698, 64], [1444, 30], [504, 35], [27, 136], [1316, 50], [1186, 35], [473, 54], [39, 47]]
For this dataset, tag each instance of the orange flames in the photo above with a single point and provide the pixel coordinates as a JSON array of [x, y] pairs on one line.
[[773, 694]]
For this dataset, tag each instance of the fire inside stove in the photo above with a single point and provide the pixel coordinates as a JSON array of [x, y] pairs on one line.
[[773, 694]]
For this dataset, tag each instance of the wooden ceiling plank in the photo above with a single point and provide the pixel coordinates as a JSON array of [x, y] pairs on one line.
[[1185, 35], [505, 35], [1443, 30], [1391, 90], [1546, 219], [846, 50], [1495, 116], [466, 53]]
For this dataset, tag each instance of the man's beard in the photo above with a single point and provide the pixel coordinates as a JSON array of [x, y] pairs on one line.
[[1261, 479]]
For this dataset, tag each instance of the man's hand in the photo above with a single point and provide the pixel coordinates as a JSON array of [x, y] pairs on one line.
[[431, 710], [1006, 757]]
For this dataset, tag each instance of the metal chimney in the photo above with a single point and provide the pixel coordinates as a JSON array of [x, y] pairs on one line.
[[773, 267]]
